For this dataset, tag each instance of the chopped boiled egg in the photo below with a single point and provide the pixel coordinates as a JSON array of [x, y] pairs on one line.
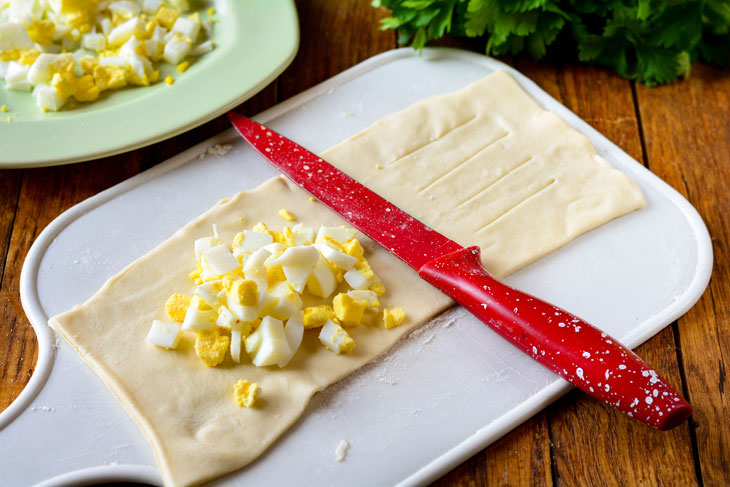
[[266, 303], [357, 280], [323, 281], [177, 305], [288, 301], [128, 34], [302, 235], [251, 241], [242, 312], [299, 256], [246, 393], [316, 316], [294, 332], [340, 259], [165, 335], [348, 310], [284, 213], [255, 270], [220, 260], [208, 293], [199, 317], [335, 338], [272, 346], [378, 288], [253, 297], [393, 317], [211, 347], [236, 340], [338, 234], [371, 297], [227, 320]]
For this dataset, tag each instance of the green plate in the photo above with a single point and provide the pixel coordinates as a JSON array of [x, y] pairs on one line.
[[255, 41]]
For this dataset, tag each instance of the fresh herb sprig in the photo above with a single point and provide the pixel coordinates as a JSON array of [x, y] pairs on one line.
[[651, 41]]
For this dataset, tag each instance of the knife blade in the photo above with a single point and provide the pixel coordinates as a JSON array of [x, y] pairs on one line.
[[564, 343]]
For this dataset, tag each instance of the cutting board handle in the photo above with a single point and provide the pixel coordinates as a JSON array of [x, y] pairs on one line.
[[572, 348]]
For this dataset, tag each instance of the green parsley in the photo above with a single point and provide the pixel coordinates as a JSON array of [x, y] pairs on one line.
[[651, 41]]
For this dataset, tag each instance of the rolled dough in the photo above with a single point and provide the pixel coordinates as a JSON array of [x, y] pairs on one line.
[[483, 165], [487, 166]]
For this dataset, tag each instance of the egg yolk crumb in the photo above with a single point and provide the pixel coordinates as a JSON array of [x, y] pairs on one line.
[[211, 347], [246, 393], [393, 318], [347, 310], [316, 316], [169, 80], [286, 215], [177, 305]]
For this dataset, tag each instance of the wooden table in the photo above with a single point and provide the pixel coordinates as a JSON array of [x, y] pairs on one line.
[[681, 132]]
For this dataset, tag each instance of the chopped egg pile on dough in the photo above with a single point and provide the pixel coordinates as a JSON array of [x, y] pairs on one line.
[[248, 298], [69, 51]]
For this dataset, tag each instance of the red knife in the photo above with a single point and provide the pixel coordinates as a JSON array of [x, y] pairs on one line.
[[572, 348]]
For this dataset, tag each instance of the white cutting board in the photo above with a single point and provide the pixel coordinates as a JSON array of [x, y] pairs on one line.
[[438, 397]]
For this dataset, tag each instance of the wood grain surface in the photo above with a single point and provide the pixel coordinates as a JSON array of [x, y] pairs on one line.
[[681, 132]]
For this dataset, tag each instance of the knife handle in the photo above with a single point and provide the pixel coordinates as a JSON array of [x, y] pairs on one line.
[[572, 348]]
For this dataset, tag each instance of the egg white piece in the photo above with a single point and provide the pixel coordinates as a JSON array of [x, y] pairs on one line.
[[187, 28], [274, 347], [254, 269], [363, 295], [322, 282], [300, 256], [339, 234], [208, 292], [226, 319], [151, 6], [14, 36], [93, 41], [253, 241], [198, 319], [48, 98], [203, 244], [275, 249], [357, 280], [125, 8], [165, 335], [302, 235], [332, 336], [294, 332], [266, 303], [236, 341], [121, 33], [253, 343], [175, 51], [297, 277], [288, 301], [220, 259], [340, 259], [16, 72], [243, 313]]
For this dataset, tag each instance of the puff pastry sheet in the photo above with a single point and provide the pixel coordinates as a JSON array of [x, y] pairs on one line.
[[484, 165]]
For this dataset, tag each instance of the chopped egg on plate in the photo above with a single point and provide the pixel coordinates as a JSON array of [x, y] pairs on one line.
[[67, 52]]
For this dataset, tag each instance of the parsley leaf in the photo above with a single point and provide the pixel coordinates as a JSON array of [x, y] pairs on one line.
[[652, 41]]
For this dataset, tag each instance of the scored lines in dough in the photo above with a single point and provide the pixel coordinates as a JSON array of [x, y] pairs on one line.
[[531, 196], [433, 141], [462, 163], [489, 185], [487, 166]]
